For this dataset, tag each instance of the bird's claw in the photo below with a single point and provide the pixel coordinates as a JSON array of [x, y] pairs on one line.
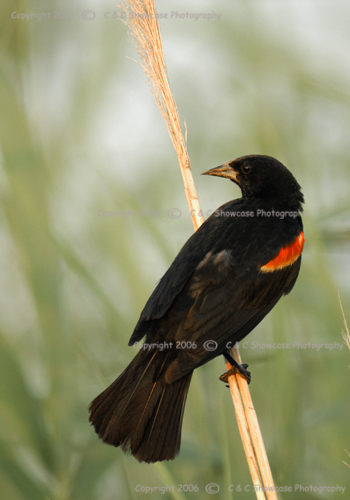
[[241, 369]]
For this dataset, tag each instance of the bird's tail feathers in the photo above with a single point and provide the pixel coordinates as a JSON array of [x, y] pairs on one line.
[[140, 412]]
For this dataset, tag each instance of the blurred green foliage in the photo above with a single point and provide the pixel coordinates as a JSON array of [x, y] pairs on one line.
[[79, 134]]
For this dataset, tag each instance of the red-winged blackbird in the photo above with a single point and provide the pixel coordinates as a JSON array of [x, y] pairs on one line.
[[223, 282]]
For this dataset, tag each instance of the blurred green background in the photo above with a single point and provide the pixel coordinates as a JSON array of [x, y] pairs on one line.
[[81, 136]]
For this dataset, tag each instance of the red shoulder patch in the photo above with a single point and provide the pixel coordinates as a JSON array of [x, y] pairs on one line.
[[287, 255]]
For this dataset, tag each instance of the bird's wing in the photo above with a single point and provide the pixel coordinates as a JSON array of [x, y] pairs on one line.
[[175, 279], [211, 237], [228, 302], [197, 259]]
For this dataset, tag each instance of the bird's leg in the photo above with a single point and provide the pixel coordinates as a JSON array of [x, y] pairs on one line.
[[236, 368]]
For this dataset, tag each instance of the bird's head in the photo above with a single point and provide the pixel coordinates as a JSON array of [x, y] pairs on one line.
[[260, 176]]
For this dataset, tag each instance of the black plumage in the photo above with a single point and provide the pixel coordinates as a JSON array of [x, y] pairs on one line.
[[223, 282]]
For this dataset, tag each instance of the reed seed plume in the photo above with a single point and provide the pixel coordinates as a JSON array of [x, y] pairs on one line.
[[140, 17]]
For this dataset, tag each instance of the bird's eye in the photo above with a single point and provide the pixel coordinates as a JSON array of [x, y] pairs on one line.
[[246, 169]]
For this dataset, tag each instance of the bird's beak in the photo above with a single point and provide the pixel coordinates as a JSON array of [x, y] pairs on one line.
[[224, 170]]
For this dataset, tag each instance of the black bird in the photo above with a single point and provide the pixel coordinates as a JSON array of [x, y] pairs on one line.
[[224, 281]]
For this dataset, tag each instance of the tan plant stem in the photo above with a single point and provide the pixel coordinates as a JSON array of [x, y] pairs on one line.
[[243, 427], [140, 17], [255, 432]]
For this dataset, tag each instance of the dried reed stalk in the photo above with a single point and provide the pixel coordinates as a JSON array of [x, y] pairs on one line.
[[243, 427], [346, 334], [346, 337], [255, 432], [140, 17]]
